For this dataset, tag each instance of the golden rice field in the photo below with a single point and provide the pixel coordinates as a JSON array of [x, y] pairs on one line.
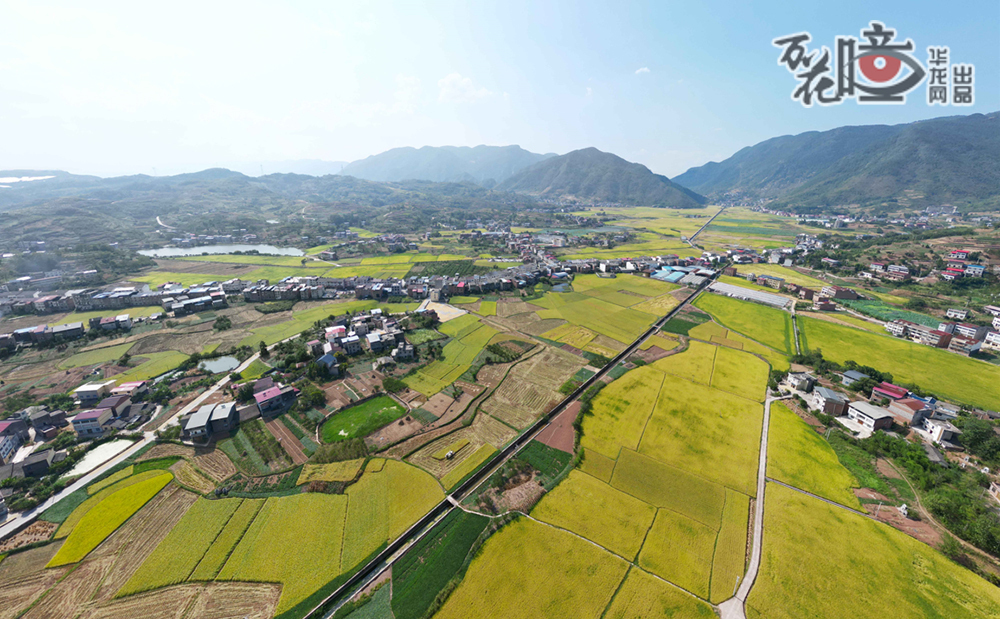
[[470, 464], [740, 374], [729, 560], [216, 555], [620, 412], [660, 341], [798, 456], [114, 478], [597, 465], [103, 518], [595, 510], [77, 515], [642, 595], [694, 364], [177, 556], [693, 425], [680, 550], [807, 569], [334, 471], [529, 570], [767, 325]]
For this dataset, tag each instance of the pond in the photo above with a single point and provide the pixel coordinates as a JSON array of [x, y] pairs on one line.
[[173, 252], [220, 364], [97, 456], [562, 288]]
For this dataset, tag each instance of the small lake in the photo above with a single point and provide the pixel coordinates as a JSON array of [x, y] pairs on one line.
[[562, 288], [173, 252], [220, 364], [97, 456]]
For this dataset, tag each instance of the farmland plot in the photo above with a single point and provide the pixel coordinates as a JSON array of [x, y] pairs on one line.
[[729, 561], [531, 387], [485, 430], [620, 412], [798, 456], [680, 550], [694, 364], [767, 325], [642, 595], [693, 425], [740, 374], [530, 570], [598, 512], [237, 525], [802, 568]]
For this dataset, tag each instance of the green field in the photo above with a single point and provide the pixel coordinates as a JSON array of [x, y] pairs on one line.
[[469, 338], [106, 516], [158, 278], [361, 420], [155, 363], [84, 317], [595, 510], [798, 456], [93, 357], [938, 371], [530, 570], [767, 325], [255, 370], [807, 569]]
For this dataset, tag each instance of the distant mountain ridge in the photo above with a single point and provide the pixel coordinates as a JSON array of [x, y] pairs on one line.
[[953, 160], [591, 174], [484, 165]]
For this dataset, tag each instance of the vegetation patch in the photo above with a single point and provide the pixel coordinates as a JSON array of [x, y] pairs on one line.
[[334, 471], [93, 357], [643, 595], [680, 550], [361, 420], [70, 522], [767, 325], [470, 464], [453, 448], [740, 374], [729, 561]]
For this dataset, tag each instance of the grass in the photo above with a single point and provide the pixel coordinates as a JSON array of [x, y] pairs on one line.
[[665, 486], [594, 510], [93, 357], [334, 471], [156, 363], [767, 325], [680, 550], [549, 462], [642, 595], [706, 330], [286, 523], [729, 560], [531, 570], [361, 420], [426, 568], [62, 510], [946, 374], [180, 552], [114, 478], [70, 522], [454, 327], [693, 425], [800, 457], [378, 606], [470, 464], [421, 336], [105, 517], [740, 374], [807, 569]]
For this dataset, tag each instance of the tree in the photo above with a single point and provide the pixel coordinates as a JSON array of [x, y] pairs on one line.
[[245, 393], [264, 352], [222, 323], [392, 384], [124, 360]]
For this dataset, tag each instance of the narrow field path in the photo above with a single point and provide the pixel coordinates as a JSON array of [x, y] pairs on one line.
[[818, 497]]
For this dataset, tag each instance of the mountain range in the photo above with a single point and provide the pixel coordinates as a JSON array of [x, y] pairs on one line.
[[483, 165], [950, 160]]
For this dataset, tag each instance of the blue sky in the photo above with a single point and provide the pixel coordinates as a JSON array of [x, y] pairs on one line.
[[112, 89]]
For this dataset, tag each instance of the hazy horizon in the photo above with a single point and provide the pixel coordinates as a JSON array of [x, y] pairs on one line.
[[113, 89]]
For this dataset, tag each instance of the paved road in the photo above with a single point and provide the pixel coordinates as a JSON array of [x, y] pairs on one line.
[[691, 239], [25, 518], [795, 329], [733, 608]]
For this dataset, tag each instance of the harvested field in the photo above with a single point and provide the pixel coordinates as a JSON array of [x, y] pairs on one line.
[[37, 531], [531, 387], [511, 307], [438, 404], [164, 604], [66, 597], [16, 594], [559, 434], [26, 563], [232, 600], [191, 479], [594, 510], [485, 430], [393, 433], [467, 466], [211, 461]]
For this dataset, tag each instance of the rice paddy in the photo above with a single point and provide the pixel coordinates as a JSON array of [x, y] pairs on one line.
[[767, 325]]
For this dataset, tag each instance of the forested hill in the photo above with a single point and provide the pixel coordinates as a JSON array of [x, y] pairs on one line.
[[590, 174], [952, 160]]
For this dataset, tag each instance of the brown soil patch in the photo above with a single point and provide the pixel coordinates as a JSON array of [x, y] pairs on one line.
[[211, 461], [66, 597], [19, 593], [653, 353], [287, 440], [918, 529], [521, 498], [410, 396], [454, 410], [225, 600], [37, 531], [559, 434], [394, 432], [27, 563], [868, 493], [438, 404], [886, 470]]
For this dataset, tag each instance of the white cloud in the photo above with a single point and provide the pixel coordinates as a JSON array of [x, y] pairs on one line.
[[458, 89], [642, 70], [590, 91]]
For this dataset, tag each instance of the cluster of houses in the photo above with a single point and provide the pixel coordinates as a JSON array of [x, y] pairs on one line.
[[823, 300], [927, 417], [959, 267], [958, 337], [171, 297], [371, 330], [211, 420], [107, 407], [891, 272]]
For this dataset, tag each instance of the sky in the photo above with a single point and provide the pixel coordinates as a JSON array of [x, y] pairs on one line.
[[161, 88]]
